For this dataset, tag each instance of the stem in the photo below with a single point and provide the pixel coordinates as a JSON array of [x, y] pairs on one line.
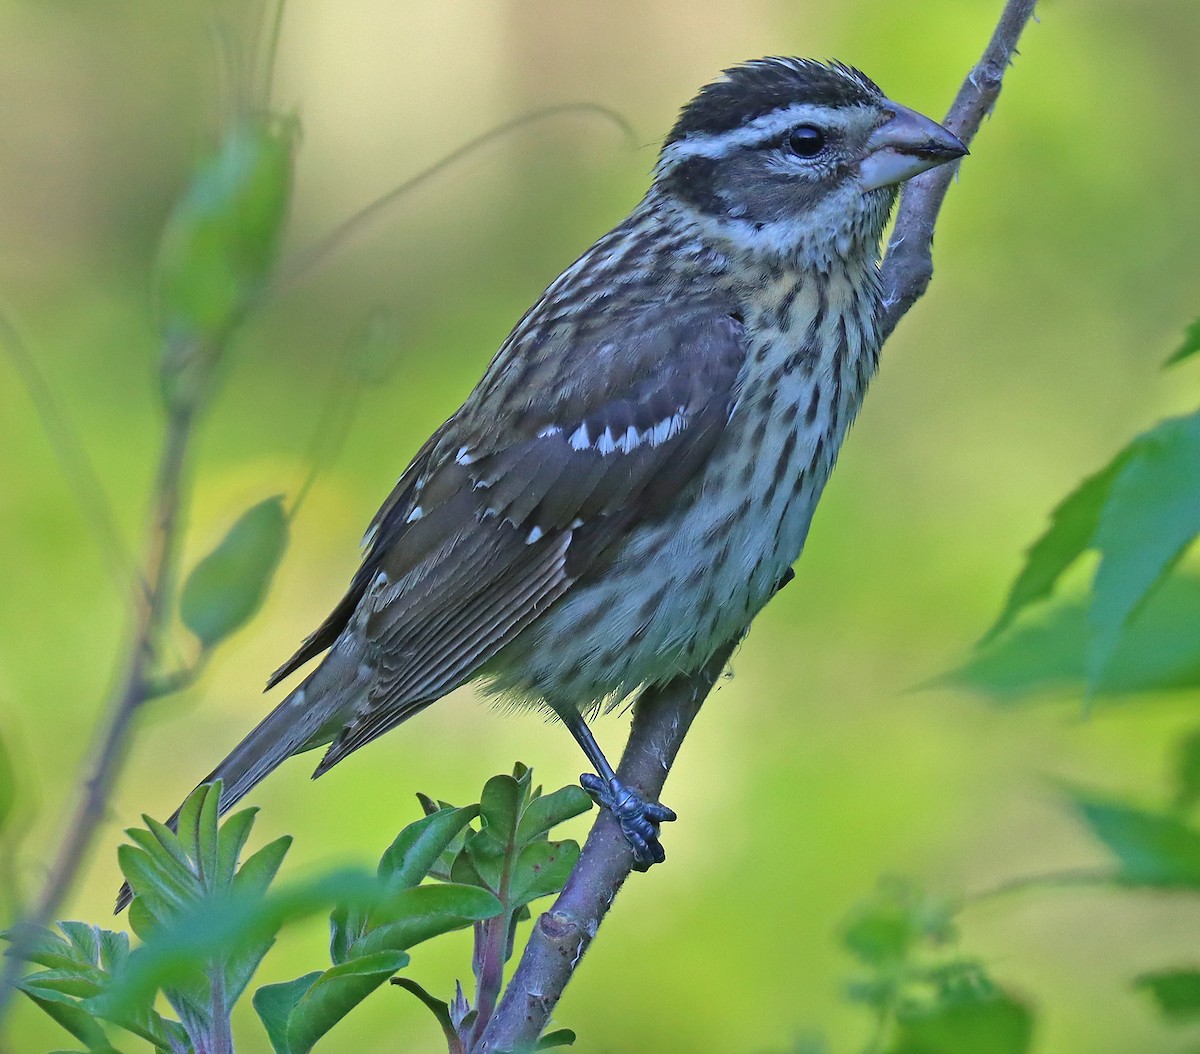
[[151, 604], [489, 975], [661, 719], [664, 715]]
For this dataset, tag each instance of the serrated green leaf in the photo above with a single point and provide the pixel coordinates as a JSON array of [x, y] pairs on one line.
[[1072, 526], [334, 994], [1158, 650], [541, 868], [227, 587], [231, 840], [993, 1023], [257, 873], [1151, 515], [1175, 992], [562, 1037], [549, 810], [148, 881], [69, 1015], [1189, 347], [189, 815], [1152, 849], [274, 1004], [114, 950], [165, 841], [85, 939], [43, 946], [79, 982], [417, 847]]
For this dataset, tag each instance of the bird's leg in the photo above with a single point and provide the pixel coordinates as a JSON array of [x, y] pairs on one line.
[[639, 819]]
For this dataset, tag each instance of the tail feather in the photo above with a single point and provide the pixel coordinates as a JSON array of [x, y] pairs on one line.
[[303, 720]]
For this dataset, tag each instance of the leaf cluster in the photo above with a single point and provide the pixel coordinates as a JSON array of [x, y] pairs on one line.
[[205, 920], [1135, 629], [926, 997]]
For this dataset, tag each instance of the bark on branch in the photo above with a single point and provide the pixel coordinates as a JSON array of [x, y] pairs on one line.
[[662, 717]]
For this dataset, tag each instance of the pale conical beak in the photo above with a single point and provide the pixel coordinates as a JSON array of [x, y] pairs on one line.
[[907, 144]]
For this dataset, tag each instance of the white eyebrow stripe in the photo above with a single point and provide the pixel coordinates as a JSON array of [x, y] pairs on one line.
[[767, 126]]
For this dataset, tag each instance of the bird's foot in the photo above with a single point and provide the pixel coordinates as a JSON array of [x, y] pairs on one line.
[[639, 819]]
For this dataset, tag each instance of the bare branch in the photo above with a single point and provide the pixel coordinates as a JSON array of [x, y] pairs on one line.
[[663, 716], [908, 262], [134, 686]]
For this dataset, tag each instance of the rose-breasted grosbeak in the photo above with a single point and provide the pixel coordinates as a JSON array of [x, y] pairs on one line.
[[636, 471]]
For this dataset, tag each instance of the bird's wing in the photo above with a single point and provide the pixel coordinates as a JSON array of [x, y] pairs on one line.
[[502, 515]]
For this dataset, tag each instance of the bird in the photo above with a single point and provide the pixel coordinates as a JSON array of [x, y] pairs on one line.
[[634, 475]]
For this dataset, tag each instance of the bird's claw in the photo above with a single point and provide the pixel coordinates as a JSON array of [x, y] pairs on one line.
[[639, 819]]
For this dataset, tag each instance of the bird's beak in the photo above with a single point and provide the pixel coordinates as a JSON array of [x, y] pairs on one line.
[[906, 144]]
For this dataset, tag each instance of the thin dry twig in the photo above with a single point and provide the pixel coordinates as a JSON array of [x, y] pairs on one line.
[[663, 716], [134, 685]]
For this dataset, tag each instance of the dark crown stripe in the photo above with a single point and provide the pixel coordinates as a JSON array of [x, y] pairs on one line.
[[757, 88]]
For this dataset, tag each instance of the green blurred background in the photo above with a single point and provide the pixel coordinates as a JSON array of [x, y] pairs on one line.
[[1067, 266]]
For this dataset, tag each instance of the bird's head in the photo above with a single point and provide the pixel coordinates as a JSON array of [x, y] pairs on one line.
[[796, 158]]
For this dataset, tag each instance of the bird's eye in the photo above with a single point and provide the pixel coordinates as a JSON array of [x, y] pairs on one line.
[[806, 141]]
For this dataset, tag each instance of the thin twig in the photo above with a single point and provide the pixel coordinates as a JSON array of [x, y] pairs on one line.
[[908, 262], [132, 689], [663, 716], [293, 270]]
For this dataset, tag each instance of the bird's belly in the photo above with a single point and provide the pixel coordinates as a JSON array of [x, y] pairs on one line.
[[680, 588]]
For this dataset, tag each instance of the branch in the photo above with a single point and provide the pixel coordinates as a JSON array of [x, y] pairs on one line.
[[908, 262], [664, 715], [134, 686]]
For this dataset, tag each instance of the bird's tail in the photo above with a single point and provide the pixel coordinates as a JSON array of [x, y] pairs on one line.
[[295, 725]]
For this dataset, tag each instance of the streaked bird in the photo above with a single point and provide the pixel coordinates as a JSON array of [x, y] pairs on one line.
[[635, 473]]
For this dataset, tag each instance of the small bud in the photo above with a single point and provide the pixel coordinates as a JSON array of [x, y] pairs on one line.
[[219, 246], [227, 587]]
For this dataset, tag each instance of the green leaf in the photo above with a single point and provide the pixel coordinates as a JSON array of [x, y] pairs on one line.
[[1187, 769], [274, 1004], [438, 1007], [549, 810], [67, 1013], [500, 807], [417, 914], [1158, 650], [1152, 849], [1072, 526], [1176, 992], [1190, 345], [334, 994], [990, 1023], [541, 868], [562, 1037], [417, 847], [227, 587], [1150, 517], [257, 873], [884, 930]]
